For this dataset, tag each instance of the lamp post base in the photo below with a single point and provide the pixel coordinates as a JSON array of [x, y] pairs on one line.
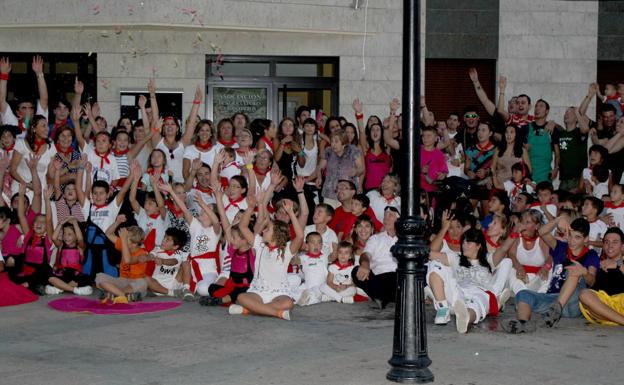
[[410, 375]]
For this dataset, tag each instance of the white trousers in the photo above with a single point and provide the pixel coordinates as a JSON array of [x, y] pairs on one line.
[[337, 295]]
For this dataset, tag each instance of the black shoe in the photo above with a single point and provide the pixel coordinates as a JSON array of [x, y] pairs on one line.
[[553, 315], [39, 290], [210, 301], [134, 297]]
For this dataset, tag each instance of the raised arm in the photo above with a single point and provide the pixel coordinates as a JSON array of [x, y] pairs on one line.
[[5, 69], [545, 232], [359, 119], [225, 223], [48, 192], [42, 87], [243, 225], [195, 166], [436, 242], [110, 231], [591, 93], [490, 107], [502, 84], [296, 243], [135, 173], [33, 161], [134, 186], [189, 130], [81, 194], [75, 117], [214, 220], [78, 91], [57, 237], [79, 238], [166, 187], [15, 161], [134, 151], [160, 201], [21, 209], [304, 210], [151, 87]]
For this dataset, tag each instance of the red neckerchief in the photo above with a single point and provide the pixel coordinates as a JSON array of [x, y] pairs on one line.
[[169, 252], [360, 244], [97, 207], [608, 205], [103, 158], [269, 143], [450, 241], [174, 210], [235, 203], [241, 151], [228, 143], [572, 257], [489, 240], [258, 172], [154, 216], [388, 200], [9, 149], [529, 239], [271, 248], [231, 164], [36, 239], [204, 190], [152, 172], [20, 124], [204, 147], [518, 188], [121, 153], [482, 150], [56, 127], [342, 267], [38, 144], [314, 255], [67, 152]]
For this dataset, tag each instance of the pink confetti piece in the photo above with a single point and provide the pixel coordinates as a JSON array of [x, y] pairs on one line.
[[96, 9], [131, 9], [105, 83], [118, 29], [220, 74], [219, 59], [188, 11], [153, 69]]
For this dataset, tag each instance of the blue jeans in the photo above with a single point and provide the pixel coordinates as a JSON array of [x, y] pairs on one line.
[[540, 302]]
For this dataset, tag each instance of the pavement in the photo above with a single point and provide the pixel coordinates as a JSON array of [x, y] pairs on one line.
[[324, 344]]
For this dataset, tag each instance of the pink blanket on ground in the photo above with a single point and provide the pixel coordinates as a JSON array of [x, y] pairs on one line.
[[12, 294], [87, 305]]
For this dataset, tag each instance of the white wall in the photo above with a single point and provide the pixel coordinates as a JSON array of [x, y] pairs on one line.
[[263, 27], [548, 50]]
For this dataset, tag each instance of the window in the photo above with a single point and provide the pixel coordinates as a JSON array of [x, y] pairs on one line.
[[270, 87], [60, 71]]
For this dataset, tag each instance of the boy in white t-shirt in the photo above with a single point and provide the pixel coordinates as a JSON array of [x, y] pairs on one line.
[[323, 214], [339, 285], [615, 208], [100, 215], [591, 208], [314, 266], [167, 278], [203, 265], [518, 182]]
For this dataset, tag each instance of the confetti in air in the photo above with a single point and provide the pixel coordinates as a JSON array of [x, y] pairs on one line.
[[131, 9], [118, 29], [96, 9], [105, 83]]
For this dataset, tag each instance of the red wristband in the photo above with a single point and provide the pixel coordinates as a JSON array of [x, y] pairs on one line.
[[514, 235], [196, 102], [4, 76], [359, 116]]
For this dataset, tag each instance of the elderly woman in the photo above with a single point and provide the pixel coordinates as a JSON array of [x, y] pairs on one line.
[[340, 161]]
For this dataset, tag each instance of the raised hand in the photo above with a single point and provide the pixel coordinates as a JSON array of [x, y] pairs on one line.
[[78, 86], [502, 83], [47, 193], [95, 110], [287, 204], [199, 94], [298, 183], [474, 75], [33, 161], [151, 86], [142, 101], [166, 187], [37, 64], [196, 165], [276, 176], [395, 104], [357, 106], [75, 114], [5, 65]]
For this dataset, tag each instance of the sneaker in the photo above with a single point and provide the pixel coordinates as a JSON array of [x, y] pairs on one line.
[[305, 298], [553, 314], [187, 295], [285, 315], [52, 290], [120, 299], [515, 326], [325, 298], [503, 298], [347, 300], [134, 297], [40, 290], [462, 317], [107, 297], [377, 304], [429, 294], [84, 290], [443, 316], [210, 301], [235, 309]]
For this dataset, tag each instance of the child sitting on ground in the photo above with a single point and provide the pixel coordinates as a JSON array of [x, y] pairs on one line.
[[131, 282], [167, 277], [339, 285], [314, 266], [67, 272]]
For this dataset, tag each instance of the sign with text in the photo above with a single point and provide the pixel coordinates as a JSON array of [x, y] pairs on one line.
[[226, 101]]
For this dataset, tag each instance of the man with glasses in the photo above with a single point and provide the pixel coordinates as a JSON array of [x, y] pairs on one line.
[[343, 215], [467, 133], [25, 108]]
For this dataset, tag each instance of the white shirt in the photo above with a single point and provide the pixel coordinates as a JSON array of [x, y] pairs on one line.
[[148, 224], [42, 166], [378, 248], [378, 203], [102, 170], [174, 164], [271, 269], [513, 192], [617, 212], [191, 152], [329, 237], [232, 209], [193, 206], [314, 269], [229, 170], [165, 274], [9, 118], [203, 240], [341, 276], [597, 230], [104, 216]]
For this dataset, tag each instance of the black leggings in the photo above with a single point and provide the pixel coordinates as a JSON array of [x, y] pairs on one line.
[[382, 286], [237, 278]]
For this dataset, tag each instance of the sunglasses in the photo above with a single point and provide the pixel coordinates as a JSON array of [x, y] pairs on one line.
[[171, 153], [468, 116]]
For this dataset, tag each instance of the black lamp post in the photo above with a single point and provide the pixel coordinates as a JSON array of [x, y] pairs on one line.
[[409, 353]]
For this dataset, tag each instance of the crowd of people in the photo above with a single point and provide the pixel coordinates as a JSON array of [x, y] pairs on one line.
[[260, 216]]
